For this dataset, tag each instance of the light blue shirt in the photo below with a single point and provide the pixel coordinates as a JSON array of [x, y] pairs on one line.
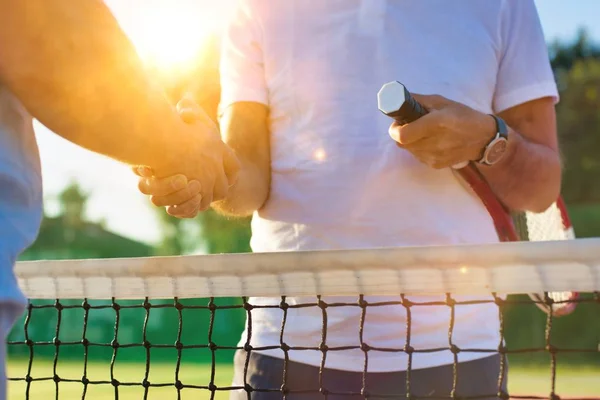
[[20, 195]]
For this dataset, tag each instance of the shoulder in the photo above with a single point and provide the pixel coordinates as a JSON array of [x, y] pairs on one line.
[[519, 11], [503, 12]]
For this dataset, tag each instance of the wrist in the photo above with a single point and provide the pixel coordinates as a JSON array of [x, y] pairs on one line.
[[496, 141], [514, 142], [488, 131]]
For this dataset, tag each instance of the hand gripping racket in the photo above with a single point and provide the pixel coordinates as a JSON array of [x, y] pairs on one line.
[[395, 101]]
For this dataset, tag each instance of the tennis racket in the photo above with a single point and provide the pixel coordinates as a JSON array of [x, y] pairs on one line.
[[395, 101]]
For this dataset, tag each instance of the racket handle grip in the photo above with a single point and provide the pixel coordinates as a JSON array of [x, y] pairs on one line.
[[395, 101]]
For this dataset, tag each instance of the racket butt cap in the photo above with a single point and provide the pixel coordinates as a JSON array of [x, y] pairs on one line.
[[391, 97]]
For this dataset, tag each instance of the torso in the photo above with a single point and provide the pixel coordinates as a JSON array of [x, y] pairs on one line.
[[338, 181]]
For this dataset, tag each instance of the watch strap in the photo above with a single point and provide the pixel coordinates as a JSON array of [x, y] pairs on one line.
[[501, 127], [501, 133]]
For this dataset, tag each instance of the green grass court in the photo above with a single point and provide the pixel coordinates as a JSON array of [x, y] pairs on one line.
[[571, 381]]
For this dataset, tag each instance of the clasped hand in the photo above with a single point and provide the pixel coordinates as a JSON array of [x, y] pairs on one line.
[[205, 176], [449, 134]]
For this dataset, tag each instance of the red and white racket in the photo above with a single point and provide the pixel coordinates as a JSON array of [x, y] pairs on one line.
[[395, 101]]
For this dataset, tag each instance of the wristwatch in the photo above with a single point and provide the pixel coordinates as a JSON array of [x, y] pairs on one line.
[[496, 148]]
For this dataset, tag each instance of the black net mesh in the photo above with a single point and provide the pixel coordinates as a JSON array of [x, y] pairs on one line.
[[184, 348]]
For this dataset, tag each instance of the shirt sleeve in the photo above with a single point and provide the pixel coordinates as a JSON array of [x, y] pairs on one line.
[[524, 72], [242, 66]]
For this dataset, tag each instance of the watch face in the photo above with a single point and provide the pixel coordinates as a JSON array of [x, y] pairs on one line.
[[496, 151]]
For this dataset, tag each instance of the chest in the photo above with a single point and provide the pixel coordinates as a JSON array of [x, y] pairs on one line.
[[328, 53]]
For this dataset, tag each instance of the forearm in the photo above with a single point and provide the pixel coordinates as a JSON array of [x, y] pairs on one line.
[[74, 70], [244, 128], [528, 177], [248, 194]]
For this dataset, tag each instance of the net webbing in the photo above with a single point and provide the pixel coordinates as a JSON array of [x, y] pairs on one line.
[[169, 327]]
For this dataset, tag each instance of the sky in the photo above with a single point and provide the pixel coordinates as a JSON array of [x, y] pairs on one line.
[[113, 188]]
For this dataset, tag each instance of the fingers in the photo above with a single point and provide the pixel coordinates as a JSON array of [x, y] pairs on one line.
[[434, 153], [435, 123], [189, 115], [425, 126], [142, 171], [189, 209], [411, 133], [162, 186], [432, 101], [191, 112], [435, 161], [183, 203], [180, 197], [439, 159]]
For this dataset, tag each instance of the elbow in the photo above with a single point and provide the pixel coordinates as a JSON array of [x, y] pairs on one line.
[[534, 202], [542, 203], [550, 192], [538, 197]]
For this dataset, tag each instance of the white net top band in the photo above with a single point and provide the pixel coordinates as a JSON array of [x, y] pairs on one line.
[[507, 268]]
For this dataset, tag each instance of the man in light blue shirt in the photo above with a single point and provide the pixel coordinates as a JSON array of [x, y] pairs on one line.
[[69, 65]]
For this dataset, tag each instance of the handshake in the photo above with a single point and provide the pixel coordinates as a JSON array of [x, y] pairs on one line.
[[188, 185]]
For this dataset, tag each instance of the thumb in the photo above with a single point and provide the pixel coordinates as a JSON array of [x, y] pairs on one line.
[[432, 101], [190, 111], [142, 171]]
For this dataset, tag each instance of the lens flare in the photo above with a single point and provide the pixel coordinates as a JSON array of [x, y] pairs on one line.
[[171, 35]]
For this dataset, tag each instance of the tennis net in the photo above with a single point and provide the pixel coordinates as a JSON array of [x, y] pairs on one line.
[[168, 327]]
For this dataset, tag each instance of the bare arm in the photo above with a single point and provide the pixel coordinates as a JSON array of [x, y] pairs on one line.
[[528, 177], [244, 128], [73, 68]]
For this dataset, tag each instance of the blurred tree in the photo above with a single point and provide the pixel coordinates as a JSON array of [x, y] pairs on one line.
[[71, 235], [576, 67], [563, 55], [173, 235], [224, 235], [578, 115], [73, 201], [179, 236]]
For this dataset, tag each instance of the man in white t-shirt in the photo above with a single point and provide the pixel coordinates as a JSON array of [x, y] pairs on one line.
[[319, 171]]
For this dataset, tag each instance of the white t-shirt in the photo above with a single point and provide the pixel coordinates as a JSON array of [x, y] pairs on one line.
[[338, 180]]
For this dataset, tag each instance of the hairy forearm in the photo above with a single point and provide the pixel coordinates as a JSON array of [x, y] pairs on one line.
[[528, 178], [73, 68], [248, 194], [244, 128]]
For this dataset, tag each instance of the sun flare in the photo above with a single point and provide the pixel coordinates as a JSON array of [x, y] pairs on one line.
[[170, 35]]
